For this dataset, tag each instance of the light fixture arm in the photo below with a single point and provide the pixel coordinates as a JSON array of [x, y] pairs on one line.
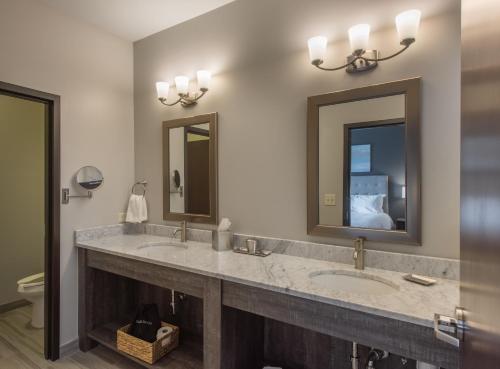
[[406, 44], [164, 101], [317, 64], [185, 99]]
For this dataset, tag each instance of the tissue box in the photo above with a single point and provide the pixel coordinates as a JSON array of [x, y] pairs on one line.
[[222, 240]]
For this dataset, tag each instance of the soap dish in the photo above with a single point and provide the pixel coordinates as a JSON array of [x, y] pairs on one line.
[[244, 250], [415, 278]]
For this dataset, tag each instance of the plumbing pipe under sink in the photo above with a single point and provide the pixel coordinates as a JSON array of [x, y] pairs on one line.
[[172, 302], [374, 356], [354, 356]]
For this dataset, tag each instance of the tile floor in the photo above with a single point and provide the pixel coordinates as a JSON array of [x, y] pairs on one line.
[[21, 347]]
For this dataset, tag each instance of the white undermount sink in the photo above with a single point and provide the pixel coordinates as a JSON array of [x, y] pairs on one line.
[[353, 281], [161, 244], [158, 249]]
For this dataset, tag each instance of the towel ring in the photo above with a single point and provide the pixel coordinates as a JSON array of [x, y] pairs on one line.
[[141, 183]]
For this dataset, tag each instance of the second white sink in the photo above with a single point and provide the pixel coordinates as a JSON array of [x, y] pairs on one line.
[[158, 250], [353, 281], [161, 244]]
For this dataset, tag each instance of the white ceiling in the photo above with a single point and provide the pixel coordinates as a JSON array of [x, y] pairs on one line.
[[135, 19]]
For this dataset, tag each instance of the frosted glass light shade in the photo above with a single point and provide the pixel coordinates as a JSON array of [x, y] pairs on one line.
[[359, 36], [317, 48], [162, 89], [407, 24], [204, 77], [182, 84]]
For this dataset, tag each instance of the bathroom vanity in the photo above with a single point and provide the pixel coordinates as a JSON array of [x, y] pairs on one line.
[[241, 311]]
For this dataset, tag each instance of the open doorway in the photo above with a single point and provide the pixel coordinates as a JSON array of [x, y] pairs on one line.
[[29, 220], [197, 169]]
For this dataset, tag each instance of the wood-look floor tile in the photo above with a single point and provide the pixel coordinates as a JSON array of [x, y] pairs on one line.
[[21, 347]]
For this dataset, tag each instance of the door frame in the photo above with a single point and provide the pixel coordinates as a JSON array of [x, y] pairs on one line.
[[52, 211]]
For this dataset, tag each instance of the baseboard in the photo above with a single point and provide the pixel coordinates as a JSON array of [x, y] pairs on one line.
[[13, 305], [68, 348]]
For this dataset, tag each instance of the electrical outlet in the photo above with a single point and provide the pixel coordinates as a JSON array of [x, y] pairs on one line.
[[122, 217], [330, 199]]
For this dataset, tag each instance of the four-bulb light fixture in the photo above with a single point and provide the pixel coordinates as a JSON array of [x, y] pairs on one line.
[[363, 59], [182, 85]]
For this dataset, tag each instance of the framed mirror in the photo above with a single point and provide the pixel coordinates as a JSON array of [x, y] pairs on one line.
[[190, 169], [363, 163]]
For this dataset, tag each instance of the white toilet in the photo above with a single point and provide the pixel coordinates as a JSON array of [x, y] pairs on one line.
[[31, 288]]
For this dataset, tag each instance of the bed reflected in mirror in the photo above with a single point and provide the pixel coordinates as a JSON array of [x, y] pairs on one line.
[[363, 161], [375, 173]]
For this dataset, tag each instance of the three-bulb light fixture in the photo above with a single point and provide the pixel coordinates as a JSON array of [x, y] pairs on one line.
[[185, 98], [361, 58]]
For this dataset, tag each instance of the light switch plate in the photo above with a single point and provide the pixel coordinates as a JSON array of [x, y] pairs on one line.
[[330, 199]]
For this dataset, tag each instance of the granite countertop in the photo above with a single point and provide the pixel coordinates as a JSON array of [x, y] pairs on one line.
[[287, 274]]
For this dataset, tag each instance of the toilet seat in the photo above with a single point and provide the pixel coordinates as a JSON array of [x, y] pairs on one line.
[[32, 282]]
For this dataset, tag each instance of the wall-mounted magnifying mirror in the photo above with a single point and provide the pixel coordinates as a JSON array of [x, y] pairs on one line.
[[176, 177], [176, 186], [364, 163], [190, 169], [89, 178]]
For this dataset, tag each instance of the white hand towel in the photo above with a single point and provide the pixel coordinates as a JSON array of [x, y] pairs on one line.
[[137, 211], [143, 209]]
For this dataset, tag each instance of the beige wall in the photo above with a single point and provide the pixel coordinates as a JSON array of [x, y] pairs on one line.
[[22, 192], [261, 82], [92, 72], [332, 119]]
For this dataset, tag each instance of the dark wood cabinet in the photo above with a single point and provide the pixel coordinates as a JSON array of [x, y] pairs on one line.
[[227, 325]]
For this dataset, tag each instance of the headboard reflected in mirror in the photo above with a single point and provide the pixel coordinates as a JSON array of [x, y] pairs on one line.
[[364, 163]]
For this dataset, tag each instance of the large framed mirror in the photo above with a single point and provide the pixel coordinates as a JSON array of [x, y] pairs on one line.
[[363, 163], [190, 169]]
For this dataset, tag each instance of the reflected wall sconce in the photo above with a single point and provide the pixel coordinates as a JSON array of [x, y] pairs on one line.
[[363, 59], [186, 98]]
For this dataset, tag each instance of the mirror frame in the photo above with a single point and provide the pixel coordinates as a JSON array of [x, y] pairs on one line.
[[411, 89], [211, 218]]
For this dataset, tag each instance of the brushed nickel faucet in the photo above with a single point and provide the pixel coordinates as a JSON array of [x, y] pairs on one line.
[[359, 253], [182, 229]]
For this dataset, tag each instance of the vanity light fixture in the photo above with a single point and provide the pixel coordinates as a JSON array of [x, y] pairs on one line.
[[361, 58], [182, 86]]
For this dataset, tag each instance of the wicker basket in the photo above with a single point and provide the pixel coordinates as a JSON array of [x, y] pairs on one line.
[[147, 351]]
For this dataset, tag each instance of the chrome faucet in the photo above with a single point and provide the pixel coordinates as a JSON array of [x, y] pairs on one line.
[[359, 253], [182, 229]]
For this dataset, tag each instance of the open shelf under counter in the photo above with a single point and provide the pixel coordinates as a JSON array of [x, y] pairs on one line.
[[189, 355], [113, 286]]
